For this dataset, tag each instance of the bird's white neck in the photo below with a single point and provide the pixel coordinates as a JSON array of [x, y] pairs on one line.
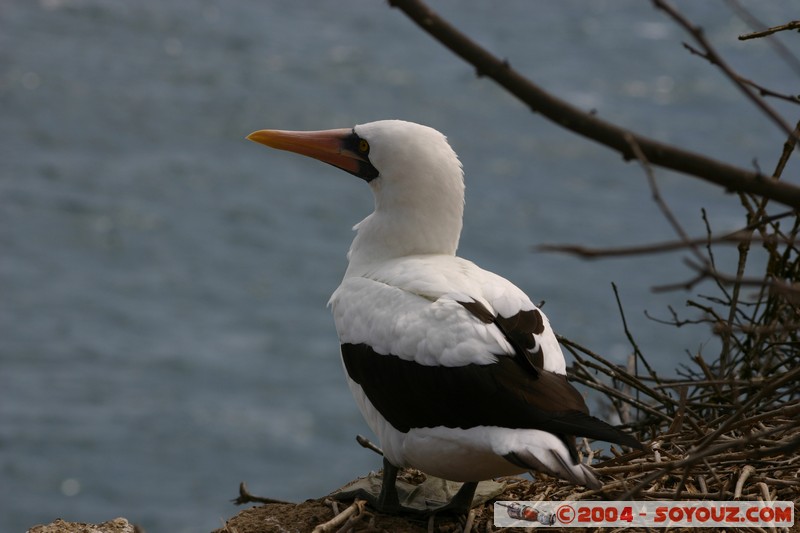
[[396, 231]]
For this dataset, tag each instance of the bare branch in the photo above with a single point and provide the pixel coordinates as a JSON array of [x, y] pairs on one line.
[[246, 497], [589, 125], [711, 55], [788, 148], [659, 200], [781, 49], [793, 25], [790, 290], [629, 335], [736, 237], [586, 252], [763, 91]]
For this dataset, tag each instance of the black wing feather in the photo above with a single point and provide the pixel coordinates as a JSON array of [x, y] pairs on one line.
[[504, 394]]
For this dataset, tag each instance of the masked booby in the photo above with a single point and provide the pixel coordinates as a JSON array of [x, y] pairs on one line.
[[453, 367]]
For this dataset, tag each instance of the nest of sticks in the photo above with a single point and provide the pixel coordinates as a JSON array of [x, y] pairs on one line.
[[708, 438], [727, 426]]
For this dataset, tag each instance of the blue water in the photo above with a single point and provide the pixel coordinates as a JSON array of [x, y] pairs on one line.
[[163, 282]]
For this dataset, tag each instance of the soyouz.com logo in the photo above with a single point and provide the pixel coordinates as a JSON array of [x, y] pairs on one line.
[[643, 514]]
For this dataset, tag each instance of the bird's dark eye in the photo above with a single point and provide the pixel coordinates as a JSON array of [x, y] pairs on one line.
[[363, 146]]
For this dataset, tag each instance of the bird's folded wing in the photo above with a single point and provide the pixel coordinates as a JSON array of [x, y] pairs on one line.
[[427, 362], [501, 394]]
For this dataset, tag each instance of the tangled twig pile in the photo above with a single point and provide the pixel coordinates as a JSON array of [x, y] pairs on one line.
[[701, 447], [725, 429]]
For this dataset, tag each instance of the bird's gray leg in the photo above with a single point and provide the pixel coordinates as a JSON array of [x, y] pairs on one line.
[[388, 500], [462, 501]]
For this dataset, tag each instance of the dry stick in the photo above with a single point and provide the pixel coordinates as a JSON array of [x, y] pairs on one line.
[[699, 455], [349, 525], [791, 410], [614, 371], [757, 214], [629, 335], [677, 422], [470, 521], [637, 353], [667, 384], [727, 336], [747, 471], [588, 124], [683, 285], [781, 49], [762, 91], [729, 420], [356, 509], [656, 194], [613, 392], [773, 448], [734, 237], [366, 443], [709, 375], [706, 268], [763, 297], [246, 497], [616, 397], [585, 252], [682, 483], [792, 25], [788, 148], [711, 55], [704, 272], [761, 330]]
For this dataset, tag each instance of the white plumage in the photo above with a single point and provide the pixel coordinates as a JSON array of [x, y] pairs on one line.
[[453, 367], [409, 307]]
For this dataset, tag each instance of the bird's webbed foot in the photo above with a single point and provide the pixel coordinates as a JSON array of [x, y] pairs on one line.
[[388, 499]]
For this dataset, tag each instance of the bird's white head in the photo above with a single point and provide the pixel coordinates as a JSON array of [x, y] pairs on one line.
[[414, 174]]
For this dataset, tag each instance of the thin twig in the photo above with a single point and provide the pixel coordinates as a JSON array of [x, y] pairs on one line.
[[762, 91], [629, 335], [781, 49], [245, 497], [712, 56], [788, 148], [331, 525], [366, 443], [789, 26], [586, 252]]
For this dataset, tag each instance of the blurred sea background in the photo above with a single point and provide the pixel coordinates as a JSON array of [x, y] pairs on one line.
[[163, 282]]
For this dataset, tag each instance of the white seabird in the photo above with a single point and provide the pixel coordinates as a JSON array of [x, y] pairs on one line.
[[454, 368]]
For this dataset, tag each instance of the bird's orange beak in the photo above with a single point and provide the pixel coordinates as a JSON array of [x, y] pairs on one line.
[[336, 147]]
